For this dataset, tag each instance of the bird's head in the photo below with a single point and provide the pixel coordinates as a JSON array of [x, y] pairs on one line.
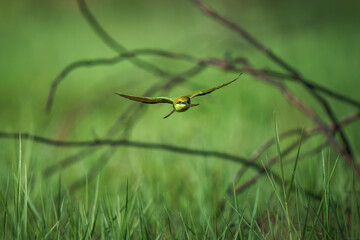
[[181, 104]]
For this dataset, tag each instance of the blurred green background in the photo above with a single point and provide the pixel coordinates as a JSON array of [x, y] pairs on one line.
[[40, 38]]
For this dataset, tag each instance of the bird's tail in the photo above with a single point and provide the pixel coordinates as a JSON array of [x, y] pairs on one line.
[[169, 114]]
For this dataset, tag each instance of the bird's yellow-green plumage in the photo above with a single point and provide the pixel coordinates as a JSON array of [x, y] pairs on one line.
[[180, 104]]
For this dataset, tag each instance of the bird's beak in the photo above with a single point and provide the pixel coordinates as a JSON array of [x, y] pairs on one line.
[[194, 105]]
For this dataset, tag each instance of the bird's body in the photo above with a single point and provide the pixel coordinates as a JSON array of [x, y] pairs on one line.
[[180, 104]]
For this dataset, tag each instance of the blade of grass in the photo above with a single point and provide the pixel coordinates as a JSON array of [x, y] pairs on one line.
[[184, 226], [95, 208], [242, 219], [295, 165], [253, 214], [280, 159], [289, 222], [227, 228], [193, 225], [303, 234], [25, 207], [337, 220], [7, 214], [326, 198], [270, 224], [169, 222], [18, 195]]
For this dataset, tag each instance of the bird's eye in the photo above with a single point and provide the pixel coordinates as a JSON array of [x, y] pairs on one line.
[[179, 102]]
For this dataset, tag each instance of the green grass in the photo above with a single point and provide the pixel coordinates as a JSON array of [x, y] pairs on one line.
[[153, 194], [32, 207]]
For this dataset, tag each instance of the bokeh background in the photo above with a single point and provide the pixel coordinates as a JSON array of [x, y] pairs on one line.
[[40, 38]]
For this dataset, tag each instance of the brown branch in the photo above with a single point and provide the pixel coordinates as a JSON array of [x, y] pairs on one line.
[[238, 190], [134, 144], [317, 87], [172, 148], [206, 9], [224, 64], [311, 114], [346, 151], [257, 44], [297, 131]]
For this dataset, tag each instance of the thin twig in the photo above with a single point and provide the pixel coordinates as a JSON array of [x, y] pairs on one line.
[[71, 67], [112, 43], [318, 87], [206, 9]]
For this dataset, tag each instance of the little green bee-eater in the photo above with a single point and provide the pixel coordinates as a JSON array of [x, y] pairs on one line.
[[180, 104]]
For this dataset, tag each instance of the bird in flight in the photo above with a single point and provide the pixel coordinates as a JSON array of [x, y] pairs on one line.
[[180, 104]]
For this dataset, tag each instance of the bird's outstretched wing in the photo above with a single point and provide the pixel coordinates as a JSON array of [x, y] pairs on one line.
[[207, 91], [148, 100]]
